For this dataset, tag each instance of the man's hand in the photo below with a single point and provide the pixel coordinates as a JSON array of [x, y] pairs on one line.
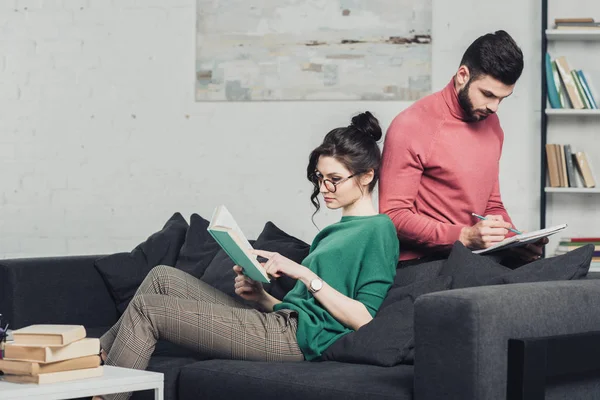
[[247, 288], [531, 251], [485, 233]]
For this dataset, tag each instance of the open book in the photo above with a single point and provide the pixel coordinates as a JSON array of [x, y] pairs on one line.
[[230, 237], [522, 239]]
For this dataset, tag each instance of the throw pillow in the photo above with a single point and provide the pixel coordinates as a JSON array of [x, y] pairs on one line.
[[468, 269], [124, 272], [387, 340], [572, 265], [198, 249], [220, 275], [274, 239], [418, 272]]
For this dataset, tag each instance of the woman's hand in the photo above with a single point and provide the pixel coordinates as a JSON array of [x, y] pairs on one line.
[[247, 288], [278, 265]]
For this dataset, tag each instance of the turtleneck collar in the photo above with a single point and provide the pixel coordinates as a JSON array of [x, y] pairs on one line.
[[451, 98]]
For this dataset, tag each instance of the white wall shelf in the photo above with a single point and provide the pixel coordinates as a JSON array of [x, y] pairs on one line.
[[571, 190], [572, 112], [567, 34]]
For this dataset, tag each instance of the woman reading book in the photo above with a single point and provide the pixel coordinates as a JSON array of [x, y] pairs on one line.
[[340, 284]]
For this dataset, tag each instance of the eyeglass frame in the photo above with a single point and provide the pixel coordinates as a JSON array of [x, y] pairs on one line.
[[323, 180]]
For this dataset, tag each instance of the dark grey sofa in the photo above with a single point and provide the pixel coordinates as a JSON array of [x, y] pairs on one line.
[[461, 339]]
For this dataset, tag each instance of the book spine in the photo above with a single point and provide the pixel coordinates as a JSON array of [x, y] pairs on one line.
[[570, 167], [553, 96], [565, 73], [586, 89], [560, 87], [582, 96], [552, 170]]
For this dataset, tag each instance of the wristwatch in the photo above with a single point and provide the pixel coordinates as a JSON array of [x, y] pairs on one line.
[[315, 285]]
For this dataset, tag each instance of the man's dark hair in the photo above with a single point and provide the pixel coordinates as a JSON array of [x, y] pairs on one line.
[[495, 54]]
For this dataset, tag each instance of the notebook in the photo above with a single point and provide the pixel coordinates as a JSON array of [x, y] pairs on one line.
[[522, 239]]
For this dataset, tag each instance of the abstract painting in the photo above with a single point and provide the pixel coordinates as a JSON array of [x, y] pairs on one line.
[[263, 50]]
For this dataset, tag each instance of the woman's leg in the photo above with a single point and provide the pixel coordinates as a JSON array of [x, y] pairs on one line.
[[216, 330], [173, 282]]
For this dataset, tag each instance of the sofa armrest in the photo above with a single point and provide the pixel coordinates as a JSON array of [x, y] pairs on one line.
[[461, 336], [55, 290]]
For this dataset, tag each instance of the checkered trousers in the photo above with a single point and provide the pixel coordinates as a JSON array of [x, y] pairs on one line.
[[172, 305]]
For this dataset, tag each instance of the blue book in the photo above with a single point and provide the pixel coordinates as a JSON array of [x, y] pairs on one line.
[[552, 92], [586, 89], [229, 236]]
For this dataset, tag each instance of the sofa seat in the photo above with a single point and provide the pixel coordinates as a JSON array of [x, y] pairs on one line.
[[231, 379]]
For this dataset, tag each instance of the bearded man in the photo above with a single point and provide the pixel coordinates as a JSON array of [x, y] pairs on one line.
[[441, 159]]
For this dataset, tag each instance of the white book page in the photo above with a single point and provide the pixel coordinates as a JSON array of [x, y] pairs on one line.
[[222, 217]]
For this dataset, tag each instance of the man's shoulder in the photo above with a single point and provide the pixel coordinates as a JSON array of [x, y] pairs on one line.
[[431, 106], [423, 116]]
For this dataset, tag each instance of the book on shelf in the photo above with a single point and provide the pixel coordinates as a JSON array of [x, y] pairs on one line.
[[567, 168], [55, 377], [563, 96], [565, 73], [49, 335], [584, 168], [226, 232], [587, 90], [576, 23], [595, 240], [552, 165], [15, 367], [569, 164], [580, 91], [46, 354], [553, 89], [583, 20]]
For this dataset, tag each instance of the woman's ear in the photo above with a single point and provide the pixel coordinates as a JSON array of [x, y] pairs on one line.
[[367, 177]]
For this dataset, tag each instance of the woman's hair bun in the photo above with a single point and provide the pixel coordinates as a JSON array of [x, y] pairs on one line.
[[368, 124]]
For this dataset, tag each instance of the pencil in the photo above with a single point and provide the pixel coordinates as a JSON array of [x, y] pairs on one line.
[[484, 218]]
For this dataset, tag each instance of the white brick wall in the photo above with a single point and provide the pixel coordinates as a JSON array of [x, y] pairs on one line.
[[101, 139]]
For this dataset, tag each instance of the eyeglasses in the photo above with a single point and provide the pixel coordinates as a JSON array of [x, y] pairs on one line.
[[330, 185]]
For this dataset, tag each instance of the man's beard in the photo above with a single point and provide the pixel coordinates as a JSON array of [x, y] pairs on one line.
[[465, 103]]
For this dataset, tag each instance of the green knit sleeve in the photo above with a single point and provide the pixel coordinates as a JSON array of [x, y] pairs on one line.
[[378, 266]]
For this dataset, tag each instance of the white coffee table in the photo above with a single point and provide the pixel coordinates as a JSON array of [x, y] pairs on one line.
[[114, 380]]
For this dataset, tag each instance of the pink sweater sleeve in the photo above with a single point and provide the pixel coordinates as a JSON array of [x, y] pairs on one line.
[[404, 155], [495, 205]]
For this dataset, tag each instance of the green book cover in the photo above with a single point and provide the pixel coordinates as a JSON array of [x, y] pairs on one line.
[[238, 255]]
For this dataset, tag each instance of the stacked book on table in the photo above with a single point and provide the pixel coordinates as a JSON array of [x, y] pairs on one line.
[[571, 243], [50, 353]]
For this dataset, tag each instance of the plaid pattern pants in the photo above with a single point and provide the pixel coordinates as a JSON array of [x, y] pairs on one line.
[[172, 305]]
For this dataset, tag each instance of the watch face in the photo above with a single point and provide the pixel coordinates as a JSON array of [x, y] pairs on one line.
[[316, 284]]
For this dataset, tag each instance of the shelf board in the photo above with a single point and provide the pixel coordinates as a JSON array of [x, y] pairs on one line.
[[570, 111], [573, 34], [571, 190]]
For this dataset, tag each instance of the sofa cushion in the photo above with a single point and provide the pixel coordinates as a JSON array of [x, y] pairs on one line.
[[198, 249], [124, 272], [572, 265], [468, 269], [418, 272], [388, 339], [230, 379], [220, 273]]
